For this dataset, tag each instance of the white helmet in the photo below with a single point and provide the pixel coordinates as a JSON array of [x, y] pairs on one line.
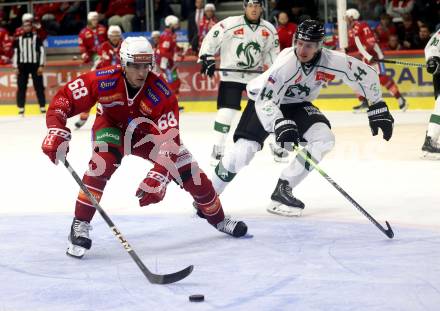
[[114, 30], [171, 20], [353, 13], [155, 33], [136, 50], [92, 15], [27, 17], [209, 6]]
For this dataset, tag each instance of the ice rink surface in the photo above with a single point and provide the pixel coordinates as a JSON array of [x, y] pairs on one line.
[[332, 258]]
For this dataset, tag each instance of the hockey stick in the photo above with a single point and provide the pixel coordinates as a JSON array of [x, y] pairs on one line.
[[398, 62], [152, 277], [238, 70], [307, 157]]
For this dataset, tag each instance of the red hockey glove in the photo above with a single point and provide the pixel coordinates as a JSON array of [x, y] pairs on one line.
[[152, 189], [56, 144]]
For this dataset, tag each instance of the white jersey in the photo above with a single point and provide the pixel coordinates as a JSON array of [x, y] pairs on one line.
[[433, 46], [288, 82], [242, 46]]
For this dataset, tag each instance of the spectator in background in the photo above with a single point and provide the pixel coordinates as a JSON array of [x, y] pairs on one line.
[[384, 30], [162, 9], [422, 39], [407, 31], [72, 23], [370, 9], [429, 11], [50, 15], [90, 38], [397, 8], [6, 50], [194, 20], [36, 27], [208, 21], [285, 30], [393, 43], [29, 58], [121, 13]]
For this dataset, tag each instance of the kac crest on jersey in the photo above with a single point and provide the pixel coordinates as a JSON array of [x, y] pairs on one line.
[[250, 51]]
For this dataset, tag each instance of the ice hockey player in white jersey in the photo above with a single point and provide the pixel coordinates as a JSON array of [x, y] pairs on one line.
[[281, 102], [246, 42], [431, 146]]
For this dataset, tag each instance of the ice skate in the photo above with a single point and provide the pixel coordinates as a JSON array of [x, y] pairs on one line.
[[217, 153], [80, 123], [280, 154], [362, 107], [403, 105], [232, 227], [43, 109], [21, 112], [79, 241], [431, 149], [283, 202]]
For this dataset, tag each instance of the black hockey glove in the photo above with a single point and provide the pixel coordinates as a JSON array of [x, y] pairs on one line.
[[380, 117], [433, 65], [286, 133], [208, 65]]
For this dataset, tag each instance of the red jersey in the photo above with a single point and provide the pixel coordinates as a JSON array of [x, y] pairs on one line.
[[6, 50], [36, 28], [107, 86], [285, 35], [204, 26], [167, 49], [90, 40], [365, 35], [383, 34], [108, 54]]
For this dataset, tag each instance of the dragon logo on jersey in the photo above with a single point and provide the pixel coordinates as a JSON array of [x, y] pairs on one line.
[[297, 90], [250, 51]]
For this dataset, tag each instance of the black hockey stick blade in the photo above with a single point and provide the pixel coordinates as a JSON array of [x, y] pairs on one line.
[[389, 232], [168, 278]]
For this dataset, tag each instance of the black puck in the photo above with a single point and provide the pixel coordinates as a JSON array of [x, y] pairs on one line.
[[196, 298]]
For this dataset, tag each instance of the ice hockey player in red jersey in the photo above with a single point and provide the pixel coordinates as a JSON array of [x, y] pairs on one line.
[[108, 51], [362, 38], [108, 55], [90, 38], [138, 115], [167, 51]]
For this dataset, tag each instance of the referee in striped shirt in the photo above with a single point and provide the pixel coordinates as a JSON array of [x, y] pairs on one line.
[[29, 58]]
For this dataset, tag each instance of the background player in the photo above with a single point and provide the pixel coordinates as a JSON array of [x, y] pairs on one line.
[[246, 42], [362, 38]]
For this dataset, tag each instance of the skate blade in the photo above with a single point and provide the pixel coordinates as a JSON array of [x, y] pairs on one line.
[[280, 159], [75, 251], [283, 210], [430, 156]]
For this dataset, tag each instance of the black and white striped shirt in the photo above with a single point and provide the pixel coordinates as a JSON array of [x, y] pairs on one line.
[[28, 49]]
